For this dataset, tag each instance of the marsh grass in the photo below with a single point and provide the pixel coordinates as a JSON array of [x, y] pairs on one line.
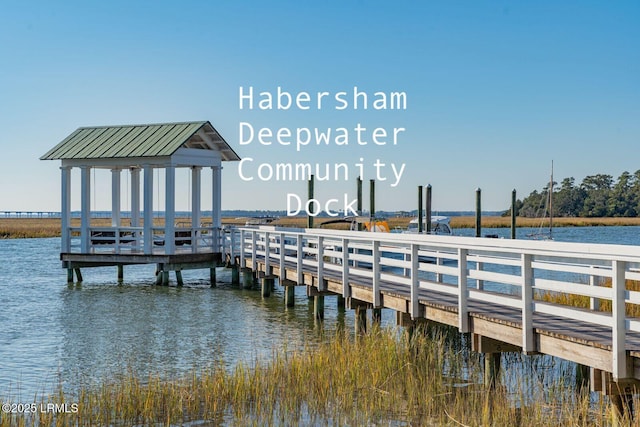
[[380, 379], [581, 301], [50, 227]]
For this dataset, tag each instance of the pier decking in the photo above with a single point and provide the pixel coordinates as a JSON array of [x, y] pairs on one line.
[[492, 288]]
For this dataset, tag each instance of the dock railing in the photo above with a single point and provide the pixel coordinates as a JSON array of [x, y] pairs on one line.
[[131, 240], [516, 275]]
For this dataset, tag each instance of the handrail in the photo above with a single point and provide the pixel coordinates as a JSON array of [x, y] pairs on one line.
[[472, 269]]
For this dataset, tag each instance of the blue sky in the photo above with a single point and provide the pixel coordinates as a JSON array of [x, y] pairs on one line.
[[495, 90]]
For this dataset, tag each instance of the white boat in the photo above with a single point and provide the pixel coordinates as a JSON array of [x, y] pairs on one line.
[[547, 234], [439, 225]]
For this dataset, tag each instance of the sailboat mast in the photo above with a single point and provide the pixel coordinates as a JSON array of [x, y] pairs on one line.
[[551, 204]]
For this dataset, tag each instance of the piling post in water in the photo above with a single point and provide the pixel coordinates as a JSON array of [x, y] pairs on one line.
[[212, 277], [420, 209], [376, 317], [318, 307], [372, 200], [120, 273], [69, 275], [361, 320], [310, 205], [78, 274], [478, 212], [179, 278], [491, 369], [289, 295], [340, 303], [165, 278], [359, 207], [235, 275], [513, 214], [247, 278], [267, 284], [428, 210]]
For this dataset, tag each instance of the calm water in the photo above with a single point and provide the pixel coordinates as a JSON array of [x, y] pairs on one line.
[[51, 332]]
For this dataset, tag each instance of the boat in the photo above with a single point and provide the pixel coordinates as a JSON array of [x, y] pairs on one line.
[[361, 223], [440, 225], [547, 234]]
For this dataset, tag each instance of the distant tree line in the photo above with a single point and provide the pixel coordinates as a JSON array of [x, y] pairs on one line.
[[596, 196]]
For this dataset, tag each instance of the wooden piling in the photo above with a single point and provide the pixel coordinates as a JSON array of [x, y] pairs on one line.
[[310, 205], [78, 274], [376, 317], [247, 278], [372, 199], [165, 277], [235, 275], [266, 284], [478, 212], [420, 209], [158, 277], [212, 277], [179, 278], [491, 370], [120, 273], [583, 375], [340, 303], [69, 275], [359, 203], [360, 320], [428, 210], [318, 307], [513, 214], [289, 295]]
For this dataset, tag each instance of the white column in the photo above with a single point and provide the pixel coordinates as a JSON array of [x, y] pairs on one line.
[[115, 197], [135, 197], [170, 210], [65, 209], [135, 204], [85, 208], [195, 205], [216, 208], [217, 196], [148, 209]]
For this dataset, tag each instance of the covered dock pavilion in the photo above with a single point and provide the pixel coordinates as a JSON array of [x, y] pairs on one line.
[[140, 150]]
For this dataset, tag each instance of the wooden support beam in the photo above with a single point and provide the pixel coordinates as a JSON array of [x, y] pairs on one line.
[[482, 344], [69, 275], [120, 273], [179, 278]]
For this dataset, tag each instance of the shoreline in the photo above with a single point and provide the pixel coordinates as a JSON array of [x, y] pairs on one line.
[[16, 228]]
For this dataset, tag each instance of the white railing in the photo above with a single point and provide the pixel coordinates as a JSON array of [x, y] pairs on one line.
[[504, 273], [130, 240]]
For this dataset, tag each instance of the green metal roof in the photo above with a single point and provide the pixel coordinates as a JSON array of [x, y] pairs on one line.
[[151, 140]]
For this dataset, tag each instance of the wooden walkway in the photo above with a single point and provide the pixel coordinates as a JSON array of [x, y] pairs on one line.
[[490, 288]]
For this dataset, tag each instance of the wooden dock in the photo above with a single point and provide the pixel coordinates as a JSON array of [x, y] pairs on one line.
[[490, 288]]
